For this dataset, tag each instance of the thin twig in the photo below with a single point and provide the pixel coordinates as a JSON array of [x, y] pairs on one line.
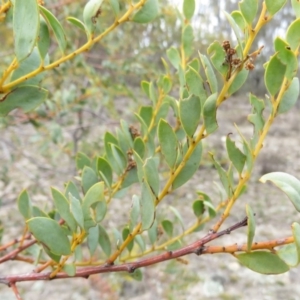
[[16, 241], [11, 255], [15, 290]]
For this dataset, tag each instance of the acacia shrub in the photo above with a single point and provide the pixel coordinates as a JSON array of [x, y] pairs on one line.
[[192, 88]]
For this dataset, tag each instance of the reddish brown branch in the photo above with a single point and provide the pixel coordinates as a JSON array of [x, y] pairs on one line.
[[11, 255], [130, 267], [16, 241], [196, 247]]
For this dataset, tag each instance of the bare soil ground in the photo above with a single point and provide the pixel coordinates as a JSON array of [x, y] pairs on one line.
[[206, 277]]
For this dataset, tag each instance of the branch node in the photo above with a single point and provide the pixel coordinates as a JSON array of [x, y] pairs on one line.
[[244, 222], [131, 269], [199, 250], [109, 263]]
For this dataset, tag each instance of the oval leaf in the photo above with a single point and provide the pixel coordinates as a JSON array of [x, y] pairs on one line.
[[237, 33], [151, 175], [63, 206], [77, 23], [292, 34], [273, 6], [72, 189], [287, 183], [104, 167], [288, 253], [131, 177], [249, 9], [217, 56], [115, 5], [92, 239], [188, 8], [190, 113], [210, 114], [94, 195], [194, 64], [152, 233], [177, 215], [28, 65], [76, 211], [137, 275], [256, 118], [100, 210], [104, 240], [88, 178], [24, 205], [296, 7], [37, 212], [208, 203], [187, 40], [210, 74], [236, 156], [148, 12], [168, 227], [223, 176], [263, 262], [90, 14], [168, 142], [140, 241], [191, 166], [239, 19], [25, 97], [290, 97], [44, 38], [198, 208], [56, 27], [251, 227], [147, 206], [174, 57], [288, 57], [134, 212], [274, 74], [50, 234], [195, 84], [26, 22], [139, 163], [82, 160], [238, 81], [119, 158], [139, 146]]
